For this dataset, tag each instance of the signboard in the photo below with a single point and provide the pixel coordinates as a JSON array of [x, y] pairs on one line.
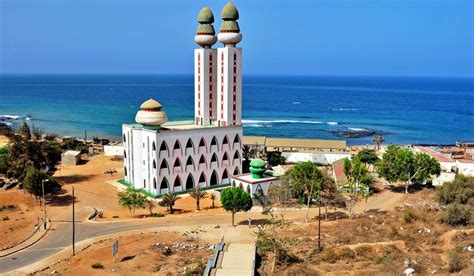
[[115, 250]]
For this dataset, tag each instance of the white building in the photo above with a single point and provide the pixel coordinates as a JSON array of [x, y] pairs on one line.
[[161, 156], [259, 181]]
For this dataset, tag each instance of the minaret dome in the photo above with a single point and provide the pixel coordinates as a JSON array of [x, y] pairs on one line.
[[230, 30], [150, 114], [205, 35]]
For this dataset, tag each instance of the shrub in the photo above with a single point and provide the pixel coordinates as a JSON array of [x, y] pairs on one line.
[[6, 218], [455, 263], [158, 215], [409, 215], [460, 190], [456, 214], [97, 266], [330, 256]]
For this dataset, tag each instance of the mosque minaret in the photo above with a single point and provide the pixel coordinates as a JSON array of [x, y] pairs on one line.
[[162, 156]]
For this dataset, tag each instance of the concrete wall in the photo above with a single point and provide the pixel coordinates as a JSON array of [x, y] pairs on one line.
[[113, 150], [465, 168], [226, 83], [443, 178], [321, 158]]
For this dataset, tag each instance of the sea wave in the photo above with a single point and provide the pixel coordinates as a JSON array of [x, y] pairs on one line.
[[247, 122], [9, 117], [357, 129], [344, 109], [332, 123]]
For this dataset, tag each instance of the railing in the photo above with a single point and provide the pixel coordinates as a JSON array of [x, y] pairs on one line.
[[213, 260]]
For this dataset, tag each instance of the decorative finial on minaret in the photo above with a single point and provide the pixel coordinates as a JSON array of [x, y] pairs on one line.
[[230, 31], [205, 35]]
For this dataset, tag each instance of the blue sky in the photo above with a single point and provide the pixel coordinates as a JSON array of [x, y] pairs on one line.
[[332, 37]]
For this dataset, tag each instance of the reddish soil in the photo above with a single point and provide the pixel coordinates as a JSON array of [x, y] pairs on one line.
[[139, 254], [376, 243], [19, 214]]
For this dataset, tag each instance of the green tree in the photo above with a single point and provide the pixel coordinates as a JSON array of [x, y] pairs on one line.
[[51, 151], [275, 158], [25, 131], [150, 205], [235, 200], [404, 166], [358, 179], [3, 160], [169, 201], [35, 179], [368, 156], [132, 200], [198, 194], [280, 196], [307, 181]]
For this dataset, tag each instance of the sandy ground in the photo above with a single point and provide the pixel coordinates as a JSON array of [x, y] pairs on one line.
[[93, 191], [139, 254], [18, 223], [3, 140]]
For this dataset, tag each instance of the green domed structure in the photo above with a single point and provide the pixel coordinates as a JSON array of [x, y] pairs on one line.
[[230, 12], [230, 30], [257, 168], [205, 16], [205, 34]]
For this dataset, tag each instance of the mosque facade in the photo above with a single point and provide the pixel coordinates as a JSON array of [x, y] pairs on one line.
[[162, 156]]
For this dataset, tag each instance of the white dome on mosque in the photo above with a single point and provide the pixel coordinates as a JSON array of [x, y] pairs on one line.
[[150, 114]]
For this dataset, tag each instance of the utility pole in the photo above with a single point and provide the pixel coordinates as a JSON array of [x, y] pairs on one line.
[[44, 199], [319, 222], [73, 225]]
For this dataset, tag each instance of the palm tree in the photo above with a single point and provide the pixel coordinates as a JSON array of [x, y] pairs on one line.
[[213, 197], [168, 201], [378, 139], [198, 194]]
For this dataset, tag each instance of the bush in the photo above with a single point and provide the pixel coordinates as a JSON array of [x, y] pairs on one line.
[[97, 266], [460, 191], [6, 218], [456, 214], [455, 262], [409, 215], [330, 256], [158, 215]]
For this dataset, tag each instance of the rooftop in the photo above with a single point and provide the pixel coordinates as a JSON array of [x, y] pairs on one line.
[[267, 176], [294, 143], [177, 125]]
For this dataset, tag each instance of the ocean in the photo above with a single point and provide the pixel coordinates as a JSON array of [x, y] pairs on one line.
[[404, 110]]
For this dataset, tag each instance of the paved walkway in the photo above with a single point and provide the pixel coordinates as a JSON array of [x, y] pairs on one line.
[[236, 259]]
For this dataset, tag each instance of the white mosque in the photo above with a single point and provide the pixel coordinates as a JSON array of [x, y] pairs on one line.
[[162, 156]]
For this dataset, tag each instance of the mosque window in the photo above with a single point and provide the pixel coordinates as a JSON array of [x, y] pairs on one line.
[[164, 165], [124, 139], [236, 155], [214, 157], [153, 146], [154, 164], [202, 160], [164, 183], [144, 183], [189, 161], [177, 163], [154, 183], [125, 171], [236, 171], [214, 142], [202, 178], [177, 182], [237, 139], [225, 141], [190, 144]]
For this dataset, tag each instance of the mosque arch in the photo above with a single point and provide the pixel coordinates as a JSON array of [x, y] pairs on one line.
[[236, 156], [202, 143], [214, 178], [124, 154], [214, 143], [225, 141], [154, 183], [202, 179], [236, 171], [189, 145], [225, 158], [225, 177], [214, 159], [177, 182], [177, 146], [177, 165], [190, 182], [164, 165], [237, 139], [189, 162], [164, 184], [202, 160], [154, 164], [248, 189], [164, 147]]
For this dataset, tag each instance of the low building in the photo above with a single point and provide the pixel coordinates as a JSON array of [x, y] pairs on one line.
[[257, 182], [295, 145], [71, 157], [114, 150], [323, 158]]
